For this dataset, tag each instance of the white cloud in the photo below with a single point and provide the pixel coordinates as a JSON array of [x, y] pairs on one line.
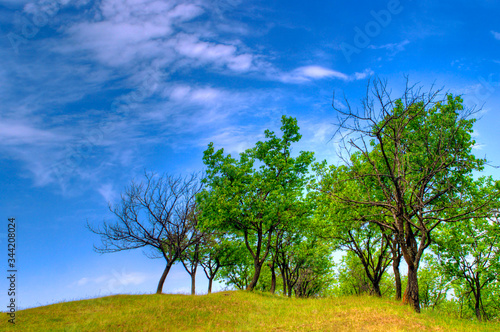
[[108, 192], [234, 139], [478, 146], [121, 42], [363, 75], [82, 281], [317, 72], [129, 31], [309, 73], [12, 133], [185, 12], [137, 31], [495, 34], [203, 52], [392, 48], [318, 137], [183, 94], [114, 282]]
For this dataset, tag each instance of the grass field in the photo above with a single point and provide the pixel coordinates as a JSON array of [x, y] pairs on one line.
[[234, 311]]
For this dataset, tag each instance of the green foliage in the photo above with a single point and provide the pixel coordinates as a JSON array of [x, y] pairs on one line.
[[351, 278], [238, 269], [257, 195], [469, 253], [433, 284], [315, 272]]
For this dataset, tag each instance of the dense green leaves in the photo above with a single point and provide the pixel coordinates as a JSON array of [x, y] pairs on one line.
[[259, 194], [469, 253]]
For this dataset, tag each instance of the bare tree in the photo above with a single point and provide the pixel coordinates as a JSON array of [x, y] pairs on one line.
[[159, 214]]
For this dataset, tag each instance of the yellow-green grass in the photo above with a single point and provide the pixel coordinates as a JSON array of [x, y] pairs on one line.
[[234, 311]]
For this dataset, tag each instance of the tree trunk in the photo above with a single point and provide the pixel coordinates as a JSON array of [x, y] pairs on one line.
[[376, 288], [396, 261], [210, 285], [477, 298], [193, 282], [411, 253], [273, 278], [162, 278], [283, 277], [397, 277], [255, 279], [411, 295], [478, 310]]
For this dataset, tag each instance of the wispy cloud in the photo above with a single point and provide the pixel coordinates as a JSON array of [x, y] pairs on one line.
[[361, 76], [161, 59], [235, 139], [495, 34], [310, 73], [315, 72], [392, 48], [14, 134], [203, 52], [112, 283], [108, 192]]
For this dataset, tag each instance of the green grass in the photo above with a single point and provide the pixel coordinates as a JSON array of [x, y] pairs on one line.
[[234, 311]]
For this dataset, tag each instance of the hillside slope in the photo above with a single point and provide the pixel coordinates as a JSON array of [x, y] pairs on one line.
[[234, 311]]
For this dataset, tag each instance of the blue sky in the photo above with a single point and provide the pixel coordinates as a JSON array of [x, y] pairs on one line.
[[94, 92]]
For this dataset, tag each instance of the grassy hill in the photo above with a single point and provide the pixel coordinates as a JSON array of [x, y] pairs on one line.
[[234, 311]]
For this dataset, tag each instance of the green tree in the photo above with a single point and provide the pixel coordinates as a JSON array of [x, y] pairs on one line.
[[351, 278], [258, 194], [371, 243], [412, 159], [304, 262], [238, 272], [470, 251], [433, 283], [315, 274], [216, 252]]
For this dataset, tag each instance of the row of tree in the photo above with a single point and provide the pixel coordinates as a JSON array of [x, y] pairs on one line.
[[408, 183]]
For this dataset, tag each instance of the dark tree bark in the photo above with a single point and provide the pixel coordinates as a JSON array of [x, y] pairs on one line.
[[283, 277], [411, 295], [193, 283], [162, 278], [273, 278], [190, 260], [477, 306], [396, 260], [256, 275], [259, 256], [210, 285]]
